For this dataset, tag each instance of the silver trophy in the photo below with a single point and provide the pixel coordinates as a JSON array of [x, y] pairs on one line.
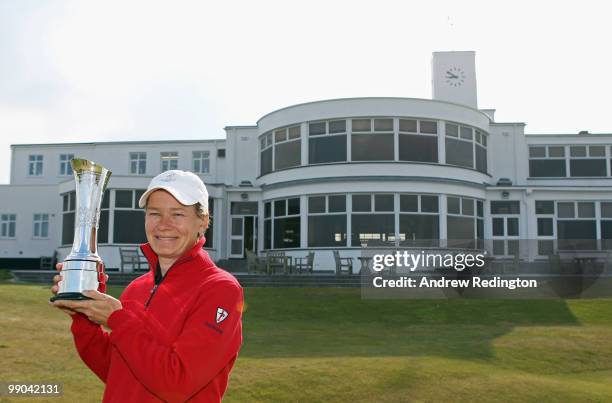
[[83, 267]]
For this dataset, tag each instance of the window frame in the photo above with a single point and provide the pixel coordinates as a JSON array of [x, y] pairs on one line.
[[201, 156], [39, 223], [65, 168], [6, 219], [168, 158], [36, 165], [136, 157]]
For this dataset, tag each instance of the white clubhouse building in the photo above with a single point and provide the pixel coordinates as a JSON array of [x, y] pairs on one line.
[[338, 174]]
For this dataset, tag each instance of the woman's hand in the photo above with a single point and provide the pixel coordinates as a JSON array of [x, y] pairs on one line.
[[55, 288], [97, 309]]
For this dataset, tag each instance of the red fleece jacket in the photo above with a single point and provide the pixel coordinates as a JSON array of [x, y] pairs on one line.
[[174, 342]]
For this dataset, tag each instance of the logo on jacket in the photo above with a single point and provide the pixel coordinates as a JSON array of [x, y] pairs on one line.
[[221, 315]]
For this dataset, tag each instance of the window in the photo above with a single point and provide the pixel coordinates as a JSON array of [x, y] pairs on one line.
[[8, 223], [606, 225], [243, 208], [35, 165], [68, 208], [505, 222], [459, 152], [588, 161], [138, 163], [265, 157], [41, 225], [419, 223], [327, 142], [547, 161], [201, 162], [65, 167], [104, 217], [208, 234], [419, 145], [287, 147], [505, 207], [462, 221], [169, 160], [466, 146], [576, 225], [372, 220], [128, 219], [221, 153], [480, 146], [545, 215], [372, 140], [282, 223], [327, 221]]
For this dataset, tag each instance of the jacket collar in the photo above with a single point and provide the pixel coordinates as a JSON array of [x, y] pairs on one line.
[[153, 259]]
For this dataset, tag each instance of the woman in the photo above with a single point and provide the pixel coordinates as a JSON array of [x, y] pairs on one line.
[[175, 331]]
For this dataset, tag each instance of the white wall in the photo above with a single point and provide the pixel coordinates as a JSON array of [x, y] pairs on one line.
[[243, 155], [370, 107], [25, 201], [114, 156]]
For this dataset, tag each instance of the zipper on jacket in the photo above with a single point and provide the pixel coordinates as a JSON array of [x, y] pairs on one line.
[[151, 295], [157, 284], [158, 277]]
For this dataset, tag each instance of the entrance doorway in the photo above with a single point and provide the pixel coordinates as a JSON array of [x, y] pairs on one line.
[[243, 236]]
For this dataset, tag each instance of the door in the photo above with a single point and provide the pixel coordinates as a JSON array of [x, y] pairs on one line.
[[237, 238], [243, 236]]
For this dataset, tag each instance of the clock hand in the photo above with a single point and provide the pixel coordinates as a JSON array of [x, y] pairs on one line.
[[450, 75]]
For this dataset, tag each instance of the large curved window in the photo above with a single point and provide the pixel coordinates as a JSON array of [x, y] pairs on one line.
[[418, 140], [287, 147], [327, 220], [327, 142], [282, 223], [265, 160], [280, 149], [466, 147], [375, 139], [464, 221], [372, 140], [419, 224], [372, 220]]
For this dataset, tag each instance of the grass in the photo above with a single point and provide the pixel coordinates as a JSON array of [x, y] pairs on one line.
[[328, 345]]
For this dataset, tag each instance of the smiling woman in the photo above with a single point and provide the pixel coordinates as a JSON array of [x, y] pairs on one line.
[[176, 330], [171, 228]]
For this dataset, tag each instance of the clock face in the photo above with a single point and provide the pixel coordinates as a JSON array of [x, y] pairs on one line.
[[454, 76]]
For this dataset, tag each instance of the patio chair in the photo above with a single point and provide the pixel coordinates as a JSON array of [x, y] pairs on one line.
[[255, 264], [304, 264], [342, 263], [132, 256], [276, 260]]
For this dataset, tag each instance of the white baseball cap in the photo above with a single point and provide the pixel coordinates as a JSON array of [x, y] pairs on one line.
[[186, 187]]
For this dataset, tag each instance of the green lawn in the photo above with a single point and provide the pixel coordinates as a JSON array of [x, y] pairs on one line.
[[327, 345]]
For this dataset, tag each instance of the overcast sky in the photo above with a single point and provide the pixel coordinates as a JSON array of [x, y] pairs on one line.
[[150, 70]]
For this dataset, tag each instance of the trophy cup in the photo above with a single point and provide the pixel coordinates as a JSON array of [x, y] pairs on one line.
[[83, 268]]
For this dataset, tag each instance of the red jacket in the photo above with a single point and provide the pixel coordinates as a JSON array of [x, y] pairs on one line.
[[176, 343]]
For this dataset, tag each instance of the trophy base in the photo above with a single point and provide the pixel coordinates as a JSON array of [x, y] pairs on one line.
[[69, 296]]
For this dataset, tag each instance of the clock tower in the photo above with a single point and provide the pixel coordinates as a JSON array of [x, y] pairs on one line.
[[454, 77]]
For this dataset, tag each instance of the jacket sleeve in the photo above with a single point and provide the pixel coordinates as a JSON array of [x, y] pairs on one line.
[[92, 342], [209, 341]]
